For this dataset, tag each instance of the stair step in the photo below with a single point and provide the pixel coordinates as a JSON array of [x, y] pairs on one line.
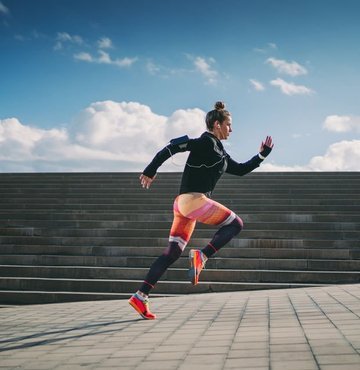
[[219, 262], [83, 217], [178, 286], [131, 251], [54, 226], [21, 297], [194, 242]]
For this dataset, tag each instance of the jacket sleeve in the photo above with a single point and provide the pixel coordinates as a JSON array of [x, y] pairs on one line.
[[241, 169], [162, 156]]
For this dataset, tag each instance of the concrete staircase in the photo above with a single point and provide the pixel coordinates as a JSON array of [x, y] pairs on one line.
[[87, 236]]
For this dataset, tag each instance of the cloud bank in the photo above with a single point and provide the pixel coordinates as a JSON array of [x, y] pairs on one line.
[[341, 156], [106, 136], [124, 136]]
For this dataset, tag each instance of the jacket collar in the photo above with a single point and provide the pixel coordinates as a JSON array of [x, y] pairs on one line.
[[218, 142]]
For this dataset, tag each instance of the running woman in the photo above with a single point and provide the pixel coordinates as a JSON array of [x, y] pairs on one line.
[[206, 163]]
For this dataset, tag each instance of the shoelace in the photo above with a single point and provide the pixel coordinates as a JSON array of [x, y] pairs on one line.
[[203, 261]]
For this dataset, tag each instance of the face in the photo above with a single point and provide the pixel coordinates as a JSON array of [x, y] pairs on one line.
[[223, 132]]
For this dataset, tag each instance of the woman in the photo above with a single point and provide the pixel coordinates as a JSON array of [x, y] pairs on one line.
[[206, 163]]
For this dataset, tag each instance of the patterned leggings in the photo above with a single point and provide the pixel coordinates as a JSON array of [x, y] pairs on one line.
[[188, 209]]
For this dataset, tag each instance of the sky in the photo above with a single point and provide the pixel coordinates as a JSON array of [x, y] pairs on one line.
[[98, 86]]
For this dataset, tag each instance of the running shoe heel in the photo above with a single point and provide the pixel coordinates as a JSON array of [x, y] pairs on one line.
[[142, 307]]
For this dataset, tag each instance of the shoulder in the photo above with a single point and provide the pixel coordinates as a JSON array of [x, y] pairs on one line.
[[205, 141]]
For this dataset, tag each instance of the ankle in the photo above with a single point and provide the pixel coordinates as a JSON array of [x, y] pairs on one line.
[[203, 256], [141, 295]]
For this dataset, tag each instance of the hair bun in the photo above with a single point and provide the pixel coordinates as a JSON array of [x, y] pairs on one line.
[[219, 105]]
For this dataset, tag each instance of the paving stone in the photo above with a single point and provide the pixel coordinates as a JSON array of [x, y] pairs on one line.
[[338, 359], [164, 356], [247, 363], [151, 365], [341, 367], [205, 359], [333, 349], [294, 365], [194, 366], [248, 353], [291, 356]]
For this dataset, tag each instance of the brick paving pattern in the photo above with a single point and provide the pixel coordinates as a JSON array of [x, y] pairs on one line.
[[297, 329]]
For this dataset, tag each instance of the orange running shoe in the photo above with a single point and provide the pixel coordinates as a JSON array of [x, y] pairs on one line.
[[142, 307], [197, 263]]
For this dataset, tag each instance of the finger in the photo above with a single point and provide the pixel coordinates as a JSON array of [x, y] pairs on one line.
[[268, 141]]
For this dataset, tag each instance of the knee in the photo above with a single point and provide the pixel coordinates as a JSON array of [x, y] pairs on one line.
[[238, 223], [172, 252]]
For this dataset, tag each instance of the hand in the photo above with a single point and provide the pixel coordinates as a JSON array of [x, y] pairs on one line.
[[266, 146], [146, 181]]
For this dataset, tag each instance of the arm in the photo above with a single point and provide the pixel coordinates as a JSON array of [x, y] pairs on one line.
[[176, 146], [241, 169]]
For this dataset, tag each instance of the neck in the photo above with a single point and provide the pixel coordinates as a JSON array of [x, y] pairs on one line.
[[214, 134]]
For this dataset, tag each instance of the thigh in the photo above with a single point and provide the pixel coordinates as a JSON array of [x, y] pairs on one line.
[[181, 228], [213, 213]]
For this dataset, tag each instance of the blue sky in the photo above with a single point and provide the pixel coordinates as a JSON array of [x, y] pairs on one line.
[[102, 85]]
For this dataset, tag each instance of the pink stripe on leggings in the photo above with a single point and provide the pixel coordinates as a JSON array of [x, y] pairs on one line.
[[200, 211]]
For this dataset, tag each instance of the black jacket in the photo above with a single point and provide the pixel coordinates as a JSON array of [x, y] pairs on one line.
[[205, 165]]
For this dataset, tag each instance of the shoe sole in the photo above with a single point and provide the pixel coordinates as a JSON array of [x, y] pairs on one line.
[[136, 308]]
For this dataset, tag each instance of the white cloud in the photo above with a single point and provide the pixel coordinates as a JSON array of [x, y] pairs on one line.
[[4, 9], [163, 71], [258, 86], [344, 156], [85, 57], [270, 46], [340, 156], [289, 88], [289, 68], [204, 66], [19, 142], [337, 123], [104, 43], [105, 136], [64, 37], [152, 68], [124, 62], [104, 58]]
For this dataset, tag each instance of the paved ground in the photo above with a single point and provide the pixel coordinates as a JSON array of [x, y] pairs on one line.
[[314, 328]]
